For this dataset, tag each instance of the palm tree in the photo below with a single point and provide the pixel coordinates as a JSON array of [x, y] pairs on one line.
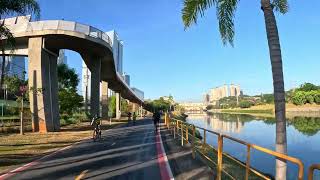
[[225, 14], [13, 7]]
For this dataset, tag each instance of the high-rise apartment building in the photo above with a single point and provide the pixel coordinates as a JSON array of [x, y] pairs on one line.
[[222, 91], [117, 47], [62, 58], [234, 90], [14, 65]]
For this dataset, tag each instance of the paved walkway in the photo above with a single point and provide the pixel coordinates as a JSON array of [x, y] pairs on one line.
[[128, 152]]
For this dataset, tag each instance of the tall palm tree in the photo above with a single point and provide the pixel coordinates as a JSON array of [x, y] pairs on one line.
[[13, 7], [225, 15]]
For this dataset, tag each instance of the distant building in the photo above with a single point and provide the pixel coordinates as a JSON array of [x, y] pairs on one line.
[[117, 46], [126, 79], [192, 106], [138, 92], [215, 94], [235, 90], [62, 58], [14, 65]]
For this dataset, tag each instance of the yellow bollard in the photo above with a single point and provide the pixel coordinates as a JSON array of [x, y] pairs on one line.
[[181, 134], [220, 150], [193, 141], [248, 162], [187, 134], [204, 138]]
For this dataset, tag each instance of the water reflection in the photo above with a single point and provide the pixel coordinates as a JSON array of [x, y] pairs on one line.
[[234, 123], [303, 136]]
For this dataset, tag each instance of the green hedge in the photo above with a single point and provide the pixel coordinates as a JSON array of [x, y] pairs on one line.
[[303, 97]]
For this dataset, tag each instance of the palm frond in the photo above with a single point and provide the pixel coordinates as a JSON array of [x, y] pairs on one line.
[[192, 9], [281, 6], [21, 7], [225, 15], [7, 38]]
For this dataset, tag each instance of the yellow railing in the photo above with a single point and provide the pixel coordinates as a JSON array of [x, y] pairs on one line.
[[311, 170], [176, 126]]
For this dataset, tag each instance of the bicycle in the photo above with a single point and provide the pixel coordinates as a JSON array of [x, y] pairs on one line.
[[97, 128]]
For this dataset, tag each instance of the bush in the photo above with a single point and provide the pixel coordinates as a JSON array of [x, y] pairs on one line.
[[317, 97], [209, 107], [299, 98], [245, 104], [310, 97]]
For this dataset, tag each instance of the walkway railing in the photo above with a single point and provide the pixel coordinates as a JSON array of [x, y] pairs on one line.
[[181, 128], [311, 170]]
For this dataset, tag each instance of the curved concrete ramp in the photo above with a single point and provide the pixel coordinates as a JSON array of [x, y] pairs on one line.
[[41, 42]]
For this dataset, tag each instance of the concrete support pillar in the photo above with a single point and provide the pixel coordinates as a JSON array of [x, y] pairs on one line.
[[134, 107], [104, 99], [44, 87], [95, 69], [118, 104]]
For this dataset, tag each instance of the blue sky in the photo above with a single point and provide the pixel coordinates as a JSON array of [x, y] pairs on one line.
[[163, 59]]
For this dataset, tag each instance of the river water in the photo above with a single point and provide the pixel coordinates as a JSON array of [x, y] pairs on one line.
[[303, 138]]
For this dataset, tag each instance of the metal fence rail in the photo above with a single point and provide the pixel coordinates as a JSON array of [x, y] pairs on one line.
[[181, 129], [311, 170]]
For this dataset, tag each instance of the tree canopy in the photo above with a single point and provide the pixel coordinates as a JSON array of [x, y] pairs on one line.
[[69, 99], [225, 11]]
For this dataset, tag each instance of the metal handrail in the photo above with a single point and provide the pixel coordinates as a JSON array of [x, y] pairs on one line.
[[220, 148], [311, 170]]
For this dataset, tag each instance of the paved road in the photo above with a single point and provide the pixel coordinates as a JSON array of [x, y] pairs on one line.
[[124, 153]]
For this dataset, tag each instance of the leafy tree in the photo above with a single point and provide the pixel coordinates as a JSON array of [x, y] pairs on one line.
[[308, 87], [209, 107], [112, 106], [267, 98], [13, 84], [225, 15], [9, 7], [245, 104], [69, 99], [310, 97], [67, 77], [299, 98], [317, 97]]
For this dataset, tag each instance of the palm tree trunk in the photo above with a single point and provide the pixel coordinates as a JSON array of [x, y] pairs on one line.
[[278, 85]]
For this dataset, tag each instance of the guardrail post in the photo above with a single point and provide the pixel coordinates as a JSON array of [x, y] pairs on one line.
[[220, 151], [181, 134], [204, 138], [311, 170], [165, 119], [174, 130], [187, 134], [193, 141], [248, 162]]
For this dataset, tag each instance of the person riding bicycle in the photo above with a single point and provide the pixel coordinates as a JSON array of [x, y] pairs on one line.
[[95, 123]]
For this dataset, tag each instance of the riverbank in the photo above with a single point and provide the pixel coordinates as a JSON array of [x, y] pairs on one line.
[[307, 110]]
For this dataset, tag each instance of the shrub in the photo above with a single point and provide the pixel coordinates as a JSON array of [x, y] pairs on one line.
[[245, 104], [299, 98], [310, 97], [317, 97], [209, 107]]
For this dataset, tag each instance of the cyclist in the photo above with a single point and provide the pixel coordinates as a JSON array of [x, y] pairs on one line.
[[95, 123]]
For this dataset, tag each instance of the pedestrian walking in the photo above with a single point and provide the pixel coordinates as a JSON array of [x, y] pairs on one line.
[[129, 118], [134, 118]]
